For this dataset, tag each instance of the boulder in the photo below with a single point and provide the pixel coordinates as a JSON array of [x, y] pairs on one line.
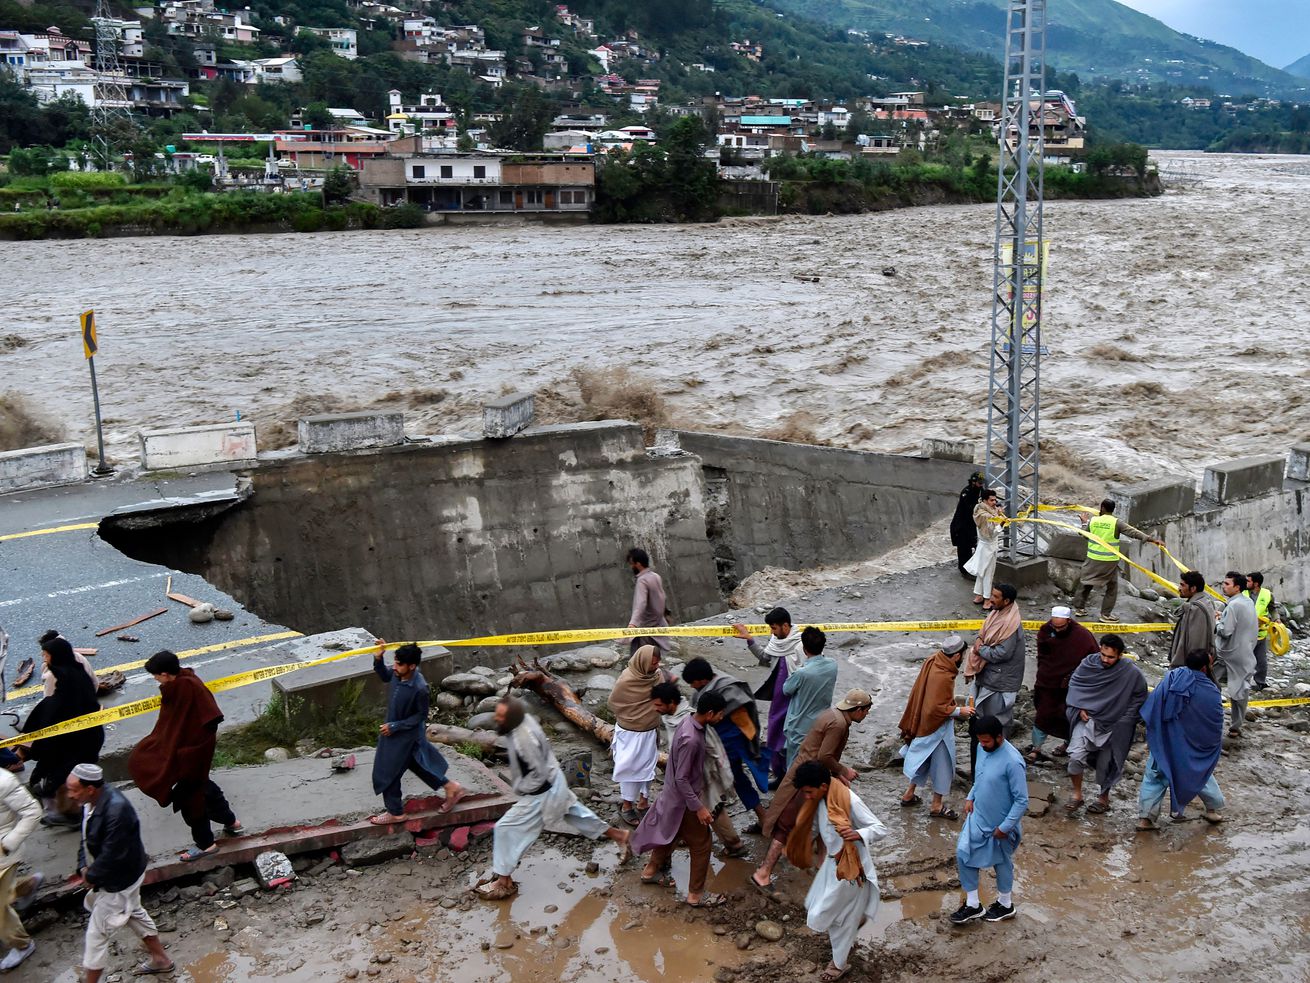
[[448, 701], [600, 683], [482, 721], [362, 853], [469, 684], [277, 754], [483, 671], [769, 931], [487, 704]]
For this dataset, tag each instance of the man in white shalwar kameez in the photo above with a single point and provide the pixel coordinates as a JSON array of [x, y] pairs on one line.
[[545, 801], [844, 894]]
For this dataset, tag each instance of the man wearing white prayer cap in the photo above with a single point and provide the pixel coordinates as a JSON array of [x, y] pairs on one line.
[[111, 861], [1061, 644]]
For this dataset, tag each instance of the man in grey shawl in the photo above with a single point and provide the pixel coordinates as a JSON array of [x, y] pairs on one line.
[[1195, 628], [1235, 638], [1106, 693], [545, 801]]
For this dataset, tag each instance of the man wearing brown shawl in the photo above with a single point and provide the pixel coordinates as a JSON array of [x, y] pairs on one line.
[[928, 728], [825, 743], [172, 764], [635, 748], [1061, 645], [1195, 628]]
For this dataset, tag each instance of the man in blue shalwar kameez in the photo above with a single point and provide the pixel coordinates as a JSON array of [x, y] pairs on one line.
[[991, 831], [403, 741]]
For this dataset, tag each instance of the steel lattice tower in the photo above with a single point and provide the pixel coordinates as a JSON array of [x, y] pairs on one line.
[[1019, 253], [111, 116]]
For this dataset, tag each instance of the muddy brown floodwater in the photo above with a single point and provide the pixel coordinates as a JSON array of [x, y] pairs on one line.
[[1162, 317]]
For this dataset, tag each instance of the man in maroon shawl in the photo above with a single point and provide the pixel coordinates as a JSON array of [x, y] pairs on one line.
[[1062, 643], [172, 764], [679, 813]]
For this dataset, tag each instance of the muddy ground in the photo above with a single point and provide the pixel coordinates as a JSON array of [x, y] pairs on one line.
[[1096, 899]]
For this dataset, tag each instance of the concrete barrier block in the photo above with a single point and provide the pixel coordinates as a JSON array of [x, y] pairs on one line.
[[948, 450], [1246, 477], [507, 416], [42, 467], [187, 447], [1154, 501], [331, 433], [1298, 463]]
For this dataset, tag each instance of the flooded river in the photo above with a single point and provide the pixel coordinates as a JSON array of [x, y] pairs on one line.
[[1176, 325]]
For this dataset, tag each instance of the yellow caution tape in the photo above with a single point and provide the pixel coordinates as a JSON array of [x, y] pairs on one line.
[[188, 654], [139, 707]]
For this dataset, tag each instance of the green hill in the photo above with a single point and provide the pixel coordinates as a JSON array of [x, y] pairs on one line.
[[1101, 40], [1299, 68]]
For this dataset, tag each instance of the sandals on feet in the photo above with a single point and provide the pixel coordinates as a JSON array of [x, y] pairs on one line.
[[148, 968], [1073, 806], [708, 901], [832, 974], [630, 816], [912, 801], [385, 819], [734, 852], [945, 813], [194, 853], [494, 891], [1098, 807], [451, 801], [236, 829], [659, 879]]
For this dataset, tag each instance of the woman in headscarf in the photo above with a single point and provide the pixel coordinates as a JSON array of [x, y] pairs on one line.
[[635, 748], [71, 695], [47, 678]]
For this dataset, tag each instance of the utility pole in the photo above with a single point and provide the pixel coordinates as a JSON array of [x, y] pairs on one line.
[[111, 110], [1019, 262]]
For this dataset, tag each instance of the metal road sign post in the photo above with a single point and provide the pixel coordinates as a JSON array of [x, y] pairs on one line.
[[1020, 268], [89, 348]]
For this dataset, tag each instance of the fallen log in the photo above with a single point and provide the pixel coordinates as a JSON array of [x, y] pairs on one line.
[[539, 679], [549, 687], [487, 741]]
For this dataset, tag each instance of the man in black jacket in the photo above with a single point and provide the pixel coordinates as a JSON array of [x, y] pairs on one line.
[[111, 861], [964, 534]]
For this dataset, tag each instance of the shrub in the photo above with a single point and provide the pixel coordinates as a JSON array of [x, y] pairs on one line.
[[87, 181]]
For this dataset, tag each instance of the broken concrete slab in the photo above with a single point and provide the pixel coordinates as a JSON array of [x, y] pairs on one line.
[[363, 853], [294, 807]]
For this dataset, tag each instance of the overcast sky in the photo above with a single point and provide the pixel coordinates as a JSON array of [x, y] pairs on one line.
[[1275, 31]]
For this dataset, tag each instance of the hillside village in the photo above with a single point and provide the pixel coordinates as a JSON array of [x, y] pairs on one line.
[[425, 151]]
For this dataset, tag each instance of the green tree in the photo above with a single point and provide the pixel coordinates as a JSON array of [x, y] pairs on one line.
[[338, 185], [523, 125]]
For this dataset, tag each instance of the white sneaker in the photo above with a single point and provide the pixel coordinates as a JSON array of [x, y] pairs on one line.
[[14, 958]]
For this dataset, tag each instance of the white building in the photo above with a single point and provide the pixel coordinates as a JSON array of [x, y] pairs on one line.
[[344, 40]]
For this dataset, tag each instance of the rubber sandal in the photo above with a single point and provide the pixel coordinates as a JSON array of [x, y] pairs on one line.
[[768, 892], [630, 816], [192, 854], [911, 802], [950, 814], [1145, 825], [734, 852], [148, 968], [1098, 808], [236, 829], [657, 880], [832, 976], [1073, 806], [754, 829], [495, 892], [1062, 751], [709, 901], [385, 819]]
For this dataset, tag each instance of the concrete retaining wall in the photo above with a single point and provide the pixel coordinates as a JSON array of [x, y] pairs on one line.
[[476, 537], [1248, 517], [187, 447], [42, 467], [777, 504]]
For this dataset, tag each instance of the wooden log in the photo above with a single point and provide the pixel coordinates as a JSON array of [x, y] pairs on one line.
[[552, 688], [488, 741]]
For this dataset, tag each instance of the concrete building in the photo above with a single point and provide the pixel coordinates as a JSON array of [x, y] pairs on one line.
[[428, 115], [417, 170], [324, 149], [344, 40]]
